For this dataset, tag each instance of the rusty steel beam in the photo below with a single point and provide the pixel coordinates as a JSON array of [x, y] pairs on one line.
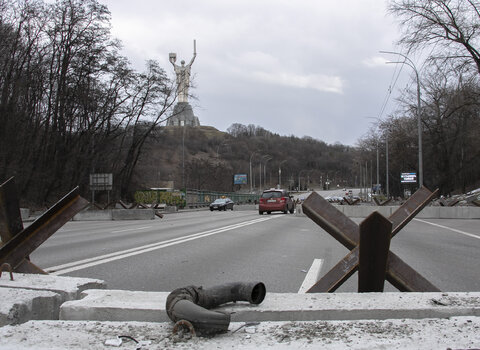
[[341, 272], [398, 272], [374, 246], [11, 222], [408, 210], [385, 202], [25, 242], [406, 278], [10, 218], [332, 220]]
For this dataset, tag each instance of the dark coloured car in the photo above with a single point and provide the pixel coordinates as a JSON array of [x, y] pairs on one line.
[[276, 200], [221, 204]]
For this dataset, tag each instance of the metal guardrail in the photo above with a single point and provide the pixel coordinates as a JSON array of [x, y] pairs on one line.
[[195, 198]]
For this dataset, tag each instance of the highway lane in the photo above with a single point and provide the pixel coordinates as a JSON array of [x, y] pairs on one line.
[[207, 248]]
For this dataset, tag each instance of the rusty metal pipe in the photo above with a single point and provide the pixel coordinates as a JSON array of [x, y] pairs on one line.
[[192, 303]]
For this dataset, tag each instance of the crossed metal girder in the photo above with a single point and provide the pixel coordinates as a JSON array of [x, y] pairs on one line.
[[372, 239], [18, 242]]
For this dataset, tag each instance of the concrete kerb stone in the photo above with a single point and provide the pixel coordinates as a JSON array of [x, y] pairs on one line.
[[69, 288], [38, 297], [22, 305], [328, 321], [117, 305]]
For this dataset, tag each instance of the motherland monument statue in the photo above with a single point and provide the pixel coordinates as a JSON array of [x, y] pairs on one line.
[[183, 112]]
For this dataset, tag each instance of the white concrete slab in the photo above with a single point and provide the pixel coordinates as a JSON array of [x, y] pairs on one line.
[[69, 288], [116, 305], [405, 334], [21, 305]]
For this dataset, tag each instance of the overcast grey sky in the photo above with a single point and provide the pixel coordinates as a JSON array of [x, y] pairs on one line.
[[303, 68]]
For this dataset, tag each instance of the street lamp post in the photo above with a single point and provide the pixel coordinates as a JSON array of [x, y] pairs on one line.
[[386, 160], [410, 63], [280, 173], [378, 170], [265, 172], [251, 184], [266, 156]]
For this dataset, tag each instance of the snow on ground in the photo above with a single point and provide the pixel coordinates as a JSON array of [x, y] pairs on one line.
[[454, 333]]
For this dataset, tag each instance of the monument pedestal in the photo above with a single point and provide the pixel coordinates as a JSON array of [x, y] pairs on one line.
[[183, 115]]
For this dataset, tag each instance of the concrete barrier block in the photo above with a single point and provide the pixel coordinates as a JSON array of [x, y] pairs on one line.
[[117, 305], [467, 212], [69, 288], [93, 215], [170, 209], [102, 305], [430, 212], [473, 213], [22, 305], [24, 213], [133, 214]]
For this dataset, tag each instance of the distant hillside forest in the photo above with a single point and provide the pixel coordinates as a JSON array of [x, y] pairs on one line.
[[207, 159]]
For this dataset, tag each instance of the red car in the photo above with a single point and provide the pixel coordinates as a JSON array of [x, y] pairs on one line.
[[276, 200]]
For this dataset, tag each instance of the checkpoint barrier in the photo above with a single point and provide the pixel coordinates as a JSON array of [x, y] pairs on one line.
[[369, 245], [19, 242]]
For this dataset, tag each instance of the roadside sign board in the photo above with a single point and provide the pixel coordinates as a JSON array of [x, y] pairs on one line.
[[101, 182], [240, 179], [406, 178]]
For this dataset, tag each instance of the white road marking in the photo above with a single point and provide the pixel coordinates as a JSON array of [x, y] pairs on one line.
[[312, 276], [103, 259], [449, 228], [132, 229]]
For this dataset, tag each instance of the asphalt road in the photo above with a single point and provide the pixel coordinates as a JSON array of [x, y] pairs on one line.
[[208, 248]]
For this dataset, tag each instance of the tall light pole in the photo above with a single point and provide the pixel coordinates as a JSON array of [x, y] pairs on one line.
[[386, 156], [378, 157], [265, 171], [260, 169], [410, 63], [251, 179], [299, 173], [280, 173], [378, 170]]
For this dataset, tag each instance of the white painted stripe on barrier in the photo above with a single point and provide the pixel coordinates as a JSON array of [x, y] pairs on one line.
[[103, 259], [449, 228], [312, 276]]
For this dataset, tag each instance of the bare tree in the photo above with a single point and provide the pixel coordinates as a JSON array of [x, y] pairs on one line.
[[450, 27]]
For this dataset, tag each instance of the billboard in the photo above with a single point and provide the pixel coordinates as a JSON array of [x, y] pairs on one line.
[[408, 178], [240, 179], [101, 182]]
